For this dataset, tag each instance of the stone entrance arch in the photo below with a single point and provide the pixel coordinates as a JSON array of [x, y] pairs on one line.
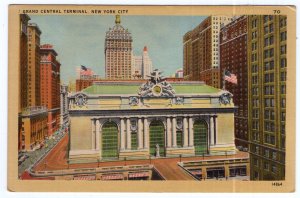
[[200, 137], [110, 140], [157, 136]]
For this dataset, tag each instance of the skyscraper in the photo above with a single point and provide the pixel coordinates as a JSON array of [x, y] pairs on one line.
[[24, 18], [137, 62], [147, 63], [233, 58], [50, 86], [118, 52], [201, 51], [142, 65], [32, 117], [267, 67], [34, 91]]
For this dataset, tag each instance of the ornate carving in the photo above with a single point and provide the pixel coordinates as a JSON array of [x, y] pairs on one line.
[[80, 99], [133, 125], [178, 100], [225, 98], [156, 86], [133, 101], [179, 124]]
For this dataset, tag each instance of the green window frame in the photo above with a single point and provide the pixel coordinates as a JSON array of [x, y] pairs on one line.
[[110, 140], [179, 138], [200, 137], [134, 143], [157, 136]]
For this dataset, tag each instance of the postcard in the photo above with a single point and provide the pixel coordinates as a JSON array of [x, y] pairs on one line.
[[151, 98]]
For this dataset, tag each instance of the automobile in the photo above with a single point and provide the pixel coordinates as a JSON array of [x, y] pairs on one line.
[[23, 158], [20, 155], [23, 155], [19, 162]]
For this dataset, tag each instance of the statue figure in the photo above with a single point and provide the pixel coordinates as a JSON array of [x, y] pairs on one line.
[[156, 79], [157, 151]]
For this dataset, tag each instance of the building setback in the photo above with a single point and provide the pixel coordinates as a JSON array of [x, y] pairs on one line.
[[233, 57], [201, 51], [118, 52], [50, 86], [267, 95]]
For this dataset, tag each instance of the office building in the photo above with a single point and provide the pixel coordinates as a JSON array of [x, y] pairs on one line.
[[201, 51], [267, 67], [50, 86], [118, 52], [233, 58]]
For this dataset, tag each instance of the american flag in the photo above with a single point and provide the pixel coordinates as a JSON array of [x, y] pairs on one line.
[[84, 71], [230, 77]]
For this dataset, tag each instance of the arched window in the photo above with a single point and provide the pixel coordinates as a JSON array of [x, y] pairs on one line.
[[200, 137], [110, 140], [157, 137]]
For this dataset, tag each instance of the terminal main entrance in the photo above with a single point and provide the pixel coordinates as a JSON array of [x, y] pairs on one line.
[[109, 140], [200, 137], [157, 137]]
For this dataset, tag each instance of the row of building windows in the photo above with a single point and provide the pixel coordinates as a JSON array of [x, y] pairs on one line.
[[282, 22], [269, 77], [269, 41], [269, 139], [269, 65], [283, 36], [269, 126], [269, 28], [268, 18], [268, 53]]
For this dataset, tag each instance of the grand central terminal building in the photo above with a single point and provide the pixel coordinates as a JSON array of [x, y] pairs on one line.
[[130, 120]]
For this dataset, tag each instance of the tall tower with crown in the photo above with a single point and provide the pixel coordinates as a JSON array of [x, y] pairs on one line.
[[118, 52]]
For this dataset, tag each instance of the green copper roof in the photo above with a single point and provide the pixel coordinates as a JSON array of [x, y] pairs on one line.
[[180, 88], [111, 89]]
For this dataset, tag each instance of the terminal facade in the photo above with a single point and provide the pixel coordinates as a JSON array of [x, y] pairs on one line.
[[132, 120]]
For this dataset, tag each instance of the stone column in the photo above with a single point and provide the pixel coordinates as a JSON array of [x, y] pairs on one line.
[[169, 135], [93, 134], [215, 130], [98, 136], [128, 145], [122, 131], [185, 132], [146, 134], [191, 132], [140, 133], [212, 137], [174, 143]]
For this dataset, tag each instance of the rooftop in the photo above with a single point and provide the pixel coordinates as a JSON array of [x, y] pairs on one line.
[[133, 88]]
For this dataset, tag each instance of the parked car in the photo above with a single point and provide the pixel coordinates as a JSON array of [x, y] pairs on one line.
[[23, 158]]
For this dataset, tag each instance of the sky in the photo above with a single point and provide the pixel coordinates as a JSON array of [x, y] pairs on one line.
[[79, 40]]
